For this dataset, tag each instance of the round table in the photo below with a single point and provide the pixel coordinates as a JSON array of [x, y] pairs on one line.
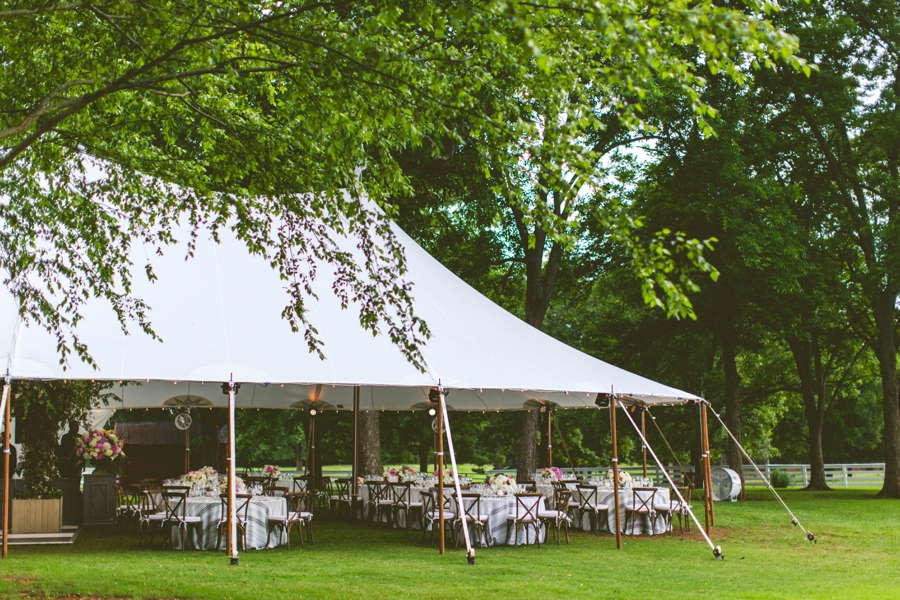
[[210, 512], [497, 510], [605, 496]]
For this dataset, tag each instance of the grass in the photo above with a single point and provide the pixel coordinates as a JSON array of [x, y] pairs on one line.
[[765, 557]]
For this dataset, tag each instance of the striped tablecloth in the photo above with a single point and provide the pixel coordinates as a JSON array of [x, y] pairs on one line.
[[210, 512], [496, 509], [605, 496]]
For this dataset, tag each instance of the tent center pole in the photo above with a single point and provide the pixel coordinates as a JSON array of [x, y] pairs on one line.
[[549, 438], [7, 476], [615, 469], [231, 389], [354, 499], [707, 471], [644, 437]]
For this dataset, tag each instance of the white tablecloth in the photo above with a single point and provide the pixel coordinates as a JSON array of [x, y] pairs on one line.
[[210, 512]]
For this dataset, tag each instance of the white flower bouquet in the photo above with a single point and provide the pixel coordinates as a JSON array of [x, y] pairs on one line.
[[624, 477], [504, 485]]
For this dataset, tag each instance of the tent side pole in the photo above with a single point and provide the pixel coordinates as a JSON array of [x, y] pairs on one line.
[[232, 474], [549, 438], [644, 437], [440, 469], [7, 400], [354, 499], [707, 475], [187, 450], [615, 466], [313, 481]]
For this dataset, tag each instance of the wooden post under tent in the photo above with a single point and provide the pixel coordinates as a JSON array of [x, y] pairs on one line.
[[219, 316]]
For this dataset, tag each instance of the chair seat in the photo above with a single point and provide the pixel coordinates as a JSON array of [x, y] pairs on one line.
[[301, 515], [596, 507], [480, 518], [674, 507], [448, 516], [188, 519], [386, 502], [521, 520], [552, 514], [155, 517], [410, 504], [638, 509]]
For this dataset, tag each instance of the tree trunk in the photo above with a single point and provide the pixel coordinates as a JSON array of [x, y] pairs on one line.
[[812, 389], [525, 465], [886, 352], [369, 443], [733, 407]]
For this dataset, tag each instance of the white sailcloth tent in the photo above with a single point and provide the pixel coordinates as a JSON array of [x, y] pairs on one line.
[[219, 317]]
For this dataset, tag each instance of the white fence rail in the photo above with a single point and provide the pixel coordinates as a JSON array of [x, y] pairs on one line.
[[837, 475]]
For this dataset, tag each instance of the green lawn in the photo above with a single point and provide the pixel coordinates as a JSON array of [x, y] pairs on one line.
[[765, 557]]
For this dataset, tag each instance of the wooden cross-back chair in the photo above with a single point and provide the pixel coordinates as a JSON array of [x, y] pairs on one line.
[[526, 516], [402, 495], [589, 503], [642, 506], [176, 516], [241, 514], [470, 516]]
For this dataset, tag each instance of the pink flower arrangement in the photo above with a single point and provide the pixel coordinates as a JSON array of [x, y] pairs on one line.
[[99, 446]]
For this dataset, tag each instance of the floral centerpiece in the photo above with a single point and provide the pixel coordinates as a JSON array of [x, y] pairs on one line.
[[197, 477], [101, 447], [238, 485], [624, 477], [407, 473], [503, 485], [449, 476], [272, 471], [552, 474], [200, 476], [392, 474]]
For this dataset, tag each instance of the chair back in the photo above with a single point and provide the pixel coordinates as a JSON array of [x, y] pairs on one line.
[[561, 500], [558, 485], [341, 489], [175, 503], [527, 506], [448, 498], [298, 502], [428, 504], [471, 506], [300, 483], [401, 492], [685, 493], [277, 490], [642, 499], [147, 505], [530, 486], [587, 497]]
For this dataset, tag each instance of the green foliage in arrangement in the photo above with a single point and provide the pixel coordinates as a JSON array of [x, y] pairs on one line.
[[42, 410]]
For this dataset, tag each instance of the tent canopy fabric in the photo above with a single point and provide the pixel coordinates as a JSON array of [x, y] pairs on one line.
[[219, 317]]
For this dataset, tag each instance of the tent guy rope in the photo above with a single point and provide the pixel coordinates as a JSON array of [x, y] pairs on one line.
[[794, 519], [717, 550]]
